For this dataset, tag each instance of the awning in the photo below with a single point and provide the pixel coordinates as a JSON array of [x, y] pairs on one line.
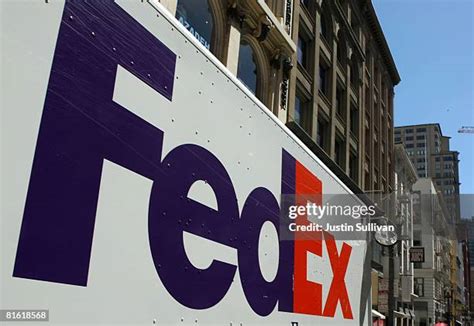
[[377, 314], [401, 314]]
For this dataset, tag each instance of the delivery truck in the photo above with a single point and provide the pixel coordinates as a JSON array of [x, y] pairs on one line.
[[142, 182]]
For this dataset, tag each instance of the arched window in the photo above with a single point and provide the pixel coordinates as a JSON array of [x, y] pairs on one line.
[[247, 70], [196, 16]]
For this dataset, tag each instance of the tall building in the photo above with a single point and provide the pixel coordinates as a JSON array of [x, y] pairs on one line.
[[430, 152], [321, 66], [341, 93]]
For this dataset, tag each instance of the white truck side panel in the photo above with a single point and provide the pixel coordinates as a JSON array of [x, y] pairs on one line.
[[209, 108]]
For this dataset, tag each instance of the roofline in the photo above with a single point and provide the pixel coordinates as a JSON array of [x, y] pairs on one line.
[[376, 28], [424, 124]]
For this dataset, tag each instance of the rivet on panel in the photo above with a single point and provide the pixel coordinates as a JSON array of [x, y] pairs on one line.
[[71, 17], [92, 33]]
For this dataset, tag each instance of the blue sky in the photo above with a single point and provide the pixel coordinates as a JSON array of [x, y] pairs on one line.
[[432, 44]]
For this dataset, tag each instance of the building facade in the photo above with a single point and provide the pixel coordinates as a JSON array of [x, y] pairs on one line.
[[431, 154], [405, 179], [321, 66], [343, 88], [433, 277]]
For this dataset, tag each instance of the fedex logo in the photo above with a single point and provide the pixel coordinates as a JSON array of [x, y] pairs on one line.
[[81, 126]]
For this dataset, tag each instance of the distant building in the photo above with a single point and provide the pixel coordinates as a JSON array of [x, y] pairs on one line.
[[405, 178], [469, 225], [432, 281], [430, 153]]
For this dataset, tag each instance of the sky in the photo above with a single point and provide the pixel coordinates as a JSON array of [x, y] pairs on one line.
[[432, 44]]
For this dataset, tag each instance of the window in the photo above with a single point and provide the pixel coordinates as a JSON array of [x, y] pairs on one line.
[[303, 111], [408, 138], [419, 285], [340, 102], [354, 120], [339, 151], [324, 77], [305, 3], [437, 159], [409, 131], [420, 129], [409, 145], [353, 167], [398, 140], [341, 50], [354, 74], [325, 25], [420, 137], [247, 70], [420, 145], [197, 17], [322, 138], [303, 51]]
